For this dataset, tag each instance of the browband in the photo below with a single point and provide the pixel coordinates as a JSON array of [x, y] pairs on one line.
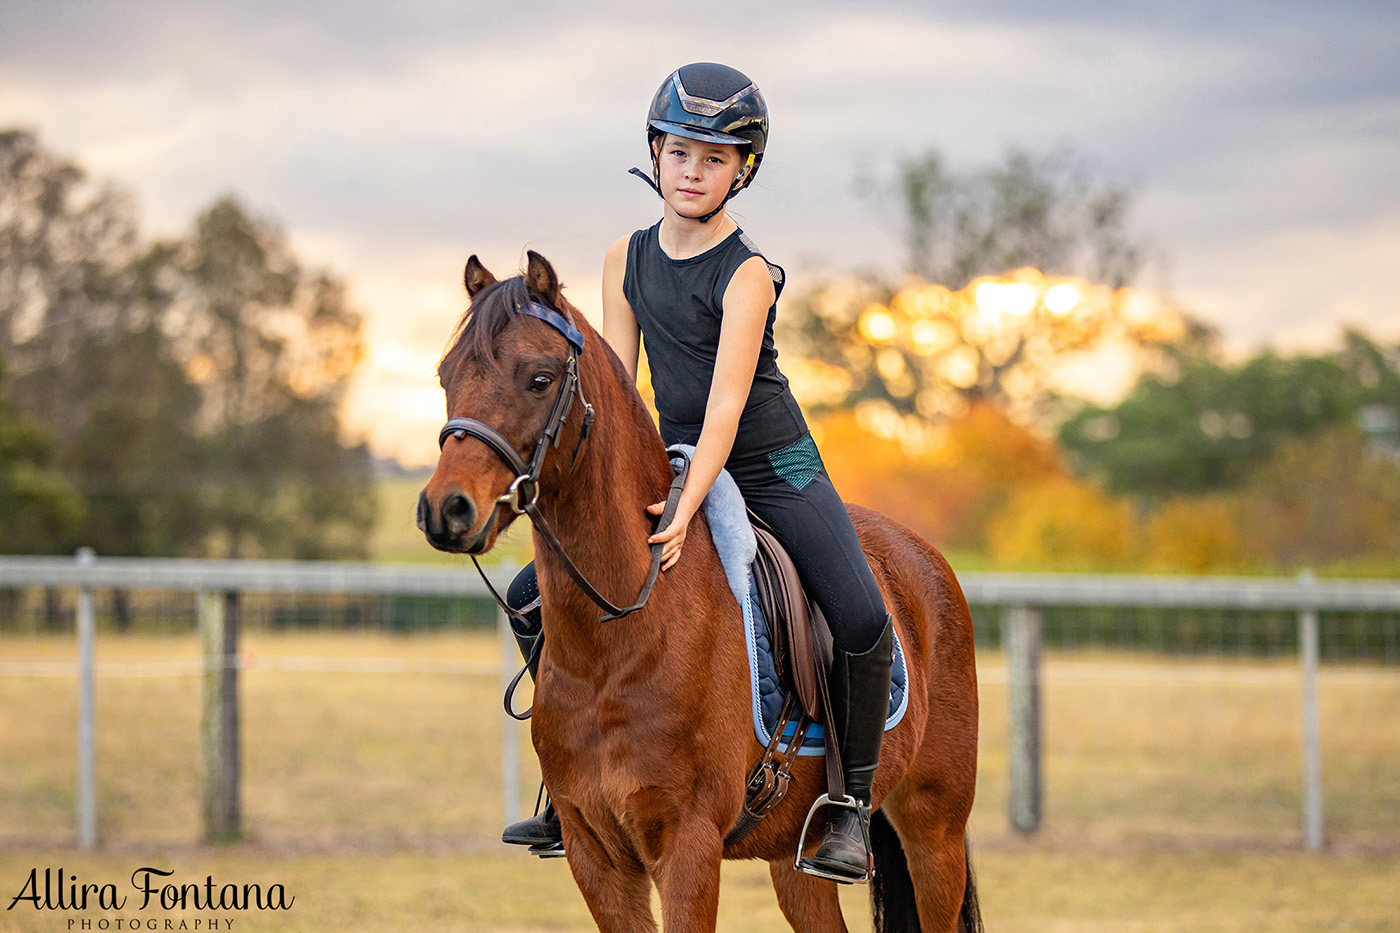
[[556, 320]]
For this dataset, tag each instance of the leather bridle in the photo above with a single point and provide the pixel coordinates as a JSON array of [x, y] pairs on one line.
[[523, 493]]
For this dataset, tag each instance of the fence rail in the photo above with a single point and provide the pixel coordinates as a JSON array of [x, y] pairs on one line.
[[984, 589], [1019, 597]]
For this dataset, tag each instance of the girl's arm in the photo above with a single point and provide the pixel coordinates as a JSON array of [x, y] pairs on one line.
[[745, 313], [620, 328]]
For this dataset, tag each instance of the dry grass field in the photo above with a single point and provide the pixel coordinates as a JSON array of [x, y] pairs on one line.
[[1023, 891], [1172, 798]]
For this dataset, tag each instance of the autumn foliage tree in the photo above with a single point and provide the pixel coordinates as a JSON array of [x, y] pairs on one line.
[[1021, 305], [946, 488], [1020, 341]]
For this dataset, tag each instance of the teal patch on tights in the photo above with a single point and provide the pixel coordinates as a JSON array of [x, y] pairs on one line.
[[797, 463]]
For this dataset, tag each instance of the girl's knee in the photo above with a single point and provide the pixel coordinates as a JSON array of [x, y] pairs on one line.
[[523, 595], [860, 631]]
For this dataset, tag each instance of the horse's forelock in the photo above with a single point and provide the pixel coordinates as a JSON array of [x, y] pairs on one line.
[[474, 338]]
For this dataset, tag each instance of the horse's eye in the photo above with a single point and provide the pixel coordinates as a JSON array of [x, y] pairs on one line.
[[540, 381]]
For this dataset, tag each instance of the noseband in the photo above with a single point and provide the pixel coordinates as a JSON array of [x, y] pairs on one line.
[[523, 493]]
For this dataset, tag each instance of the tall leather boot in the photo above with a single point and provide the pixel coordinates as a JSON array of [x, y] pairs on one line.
[[860, 700], [541, 832]]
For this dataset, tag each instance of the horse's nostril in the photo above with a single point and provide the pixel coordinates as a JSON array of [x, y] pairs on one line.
[[423, 511], [458, 513]]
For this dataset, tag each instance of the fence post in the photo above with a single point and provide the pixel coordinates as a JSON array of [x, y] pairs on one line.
[[1312, 739], [1020, 627], [87, 757], [510, 740], [218, 628]]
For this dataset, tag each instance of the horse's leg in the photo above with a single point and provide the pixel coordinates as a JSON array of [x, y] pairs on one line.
[[808, 903], [613, 883], [934, 853], [687, 878]]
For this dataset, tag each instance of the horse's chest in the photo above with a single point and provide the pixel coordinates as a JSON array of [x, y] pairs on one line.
[[594, 728], [623, 728]]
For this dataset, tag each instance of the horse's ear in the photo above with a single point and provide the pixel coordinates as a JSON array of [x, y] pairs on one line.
[[476, 277], [539, 275]]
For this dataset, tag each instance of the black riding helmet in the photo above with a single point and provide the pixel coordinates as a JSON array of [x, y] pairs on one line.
[[710, 103]]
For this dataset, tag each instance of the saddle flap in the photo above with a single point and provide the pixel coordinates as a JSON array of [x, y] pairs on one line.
[[800, 635]]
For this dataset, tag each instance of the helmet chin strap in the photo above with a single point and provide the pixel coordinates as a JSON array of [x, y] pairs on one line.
[[727, 195], [734, 187], [646, 178]]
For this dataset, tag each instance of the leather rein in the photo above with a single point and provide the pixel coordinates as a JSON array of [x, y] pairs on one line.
[[522, 496]]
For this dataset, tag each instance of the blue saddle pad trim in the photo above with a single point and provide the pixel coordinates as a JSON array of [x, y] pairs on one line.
[[768, 695]]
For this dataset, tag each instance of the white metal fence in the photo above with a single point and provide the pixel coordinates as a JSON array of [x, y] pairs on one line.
[[1017, 603]]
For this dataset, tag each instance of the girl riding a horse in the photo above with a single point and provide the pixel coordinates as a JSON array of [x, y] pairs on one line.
[[704, 298], [642, 719]]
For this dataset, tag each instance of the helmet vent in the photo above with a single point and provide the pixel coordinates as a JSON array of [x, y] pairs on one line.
[[698, 105], [710, 83]]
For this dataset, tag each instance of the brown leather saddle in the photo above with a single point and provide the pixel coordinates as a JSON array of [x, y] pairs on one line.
[[802, 655], [797, 629]]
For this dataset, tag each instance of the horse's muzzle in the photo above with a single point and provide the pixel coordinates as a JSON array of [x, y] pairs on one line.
[[448, 527]]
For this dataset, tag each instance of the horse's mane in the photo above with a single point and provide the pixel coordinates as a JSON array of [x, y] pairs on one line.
[[474, 337]]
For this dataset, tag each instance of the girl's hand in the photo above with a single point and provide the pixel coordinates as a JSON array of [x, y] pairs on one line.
[[673, 535]]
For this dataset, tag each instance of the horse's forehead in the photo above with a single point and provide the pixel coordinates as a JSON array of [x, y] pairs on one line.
[[536, 338], [525, 339], [518, 341]]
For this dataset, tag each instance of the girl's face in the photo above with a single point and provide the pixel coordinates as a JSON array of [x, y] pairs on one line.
[[695, 176]]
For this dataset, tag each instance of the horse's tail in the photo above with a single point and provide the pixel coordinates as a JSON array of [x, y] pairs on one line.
[[970, 917], [892, 889]]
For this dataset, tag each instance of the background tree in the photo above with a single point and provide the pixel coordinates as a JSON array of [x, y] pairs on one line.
[[1063, 524], [82, 311], [948, 489], [1023, 296], [63, 242], [122, 410], [191, 389], [1321, 500], [273, 348], [37, 508], [1204, 425], [1051, 212], [1022, 342]]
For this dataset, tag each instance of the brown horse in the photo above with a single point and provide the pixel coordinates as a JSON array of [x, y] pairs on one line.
[[642, 725]]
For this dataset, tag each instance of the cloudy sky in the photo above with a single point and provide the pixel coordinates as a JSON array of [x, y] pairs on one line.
[[393, 140]]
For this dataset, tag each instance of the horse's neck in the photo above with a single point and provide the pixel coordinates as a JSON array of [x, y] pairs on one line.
[[599, 516]]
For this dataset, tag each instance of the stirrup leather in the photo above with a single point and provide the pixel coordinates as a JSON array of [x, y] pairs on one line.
[[810, 867]]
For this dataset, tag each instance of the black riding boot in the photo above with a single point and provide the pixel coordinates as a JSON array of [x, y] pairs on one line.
[[860, 700], [541, 832]]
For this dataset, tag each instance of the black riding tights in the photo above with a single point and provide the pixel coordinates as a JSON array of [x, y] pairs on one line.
[[791, 491]]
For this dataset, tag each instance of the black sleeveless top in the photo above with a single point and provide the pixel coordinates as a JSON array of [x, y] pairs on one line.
[[679, 304]]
